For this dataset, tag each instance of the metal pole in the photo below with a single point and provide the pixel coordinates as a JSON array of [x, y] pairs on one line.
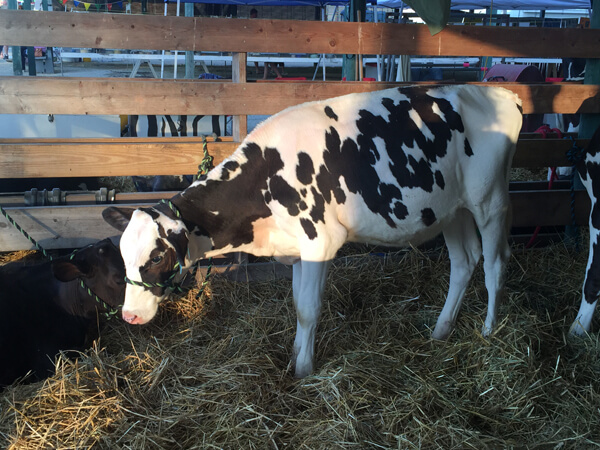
[[189, 55], [176, 52], [162, 60], [589, 122]]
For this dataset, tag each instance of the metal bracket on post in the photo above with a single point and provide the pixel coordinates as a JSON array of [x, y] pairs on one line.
[[35, 197], [104, 195]]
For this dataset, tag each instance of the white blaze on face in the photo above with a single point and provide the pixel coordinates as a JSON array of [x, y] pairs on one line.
[[138, 240]]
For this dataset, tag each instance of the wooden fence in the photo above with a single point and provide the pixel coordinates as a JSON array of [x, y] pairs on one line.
[[76, 225]]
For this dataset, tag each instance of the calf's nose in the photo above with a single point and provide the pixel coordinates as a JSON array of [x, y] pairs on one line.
[[130, 318]]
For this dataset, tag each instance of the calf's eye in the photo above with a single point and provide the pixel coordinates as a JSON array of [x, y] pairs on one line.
[[157, 259]]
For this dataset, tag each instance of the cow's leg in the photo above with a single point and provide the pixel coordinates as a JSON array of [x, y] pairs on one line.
[[308, 293], [464, 251], [296, 284], [493, 221], [591, 285]]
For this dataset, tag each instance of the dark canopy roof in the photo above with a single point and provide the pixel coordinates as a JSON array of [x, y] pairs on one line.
[[456, 4]]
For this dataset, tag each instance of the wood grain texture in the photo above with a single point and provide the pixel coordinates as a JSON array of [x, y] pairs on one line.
[[121, 31], [22, 158], [61, 159], [40, 95]]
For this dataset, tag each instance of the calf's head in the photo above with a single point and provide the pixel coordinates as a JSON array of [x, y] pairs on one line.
[[101, 268], [154, 248]]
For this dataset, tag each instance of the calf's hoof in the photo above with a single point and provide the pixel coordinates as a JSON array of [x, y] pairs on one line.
[[442, 331]]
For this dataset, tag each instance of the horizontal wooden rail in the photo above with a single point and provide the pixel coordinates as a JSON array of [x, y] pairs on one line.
[[95, 157], [552, 208], [35, 158], [76, 226], [42, 95], [533, 153], [121, 31]]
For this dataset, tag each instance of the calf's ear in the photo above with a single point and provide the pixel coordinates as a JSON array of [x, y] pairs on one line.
[[179, 241], [118, 217], [68, 270]]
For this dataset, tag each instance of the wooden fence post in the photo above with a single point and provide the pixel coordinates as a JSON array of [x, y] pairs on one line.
[[30, 50], [238, 75], [16, 50], [589, 122]]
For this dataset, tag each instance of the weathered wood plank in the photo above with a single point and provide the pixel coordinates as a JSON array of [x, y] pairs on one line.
[[32, 158], [54, 227], [62, 159], [122, 31], [42, 95], [75, 226]]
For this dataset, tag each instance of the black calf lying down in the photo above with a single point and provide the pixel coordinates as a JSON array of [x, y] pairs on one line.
[[45, 308]]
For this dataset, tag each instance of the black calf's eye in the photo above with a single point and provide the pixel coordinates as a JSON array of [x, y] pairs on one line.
[[157, 259]]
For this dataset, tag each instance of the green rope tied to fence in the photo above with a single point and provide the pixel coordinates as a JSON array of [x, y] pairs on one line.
[[207, 160], [205, 166], [24, 233]]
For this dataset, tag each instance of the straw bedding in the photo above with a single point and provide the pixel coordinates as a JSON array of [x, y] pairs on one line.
[[215, 372]]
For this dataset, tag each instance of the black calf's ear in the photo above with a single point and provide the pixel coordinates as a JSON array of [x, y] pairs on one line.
[[68, 270], [118, 217], [179, 241]]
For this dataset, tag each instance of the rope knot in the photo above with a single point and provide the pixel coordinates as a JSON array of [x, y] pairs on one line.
[[575, 154], [207, 160]]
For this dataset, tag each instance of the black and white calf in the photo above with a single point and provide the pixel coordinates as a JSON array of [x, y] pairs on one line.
[[589, 171], [393, 167], [44, 308]]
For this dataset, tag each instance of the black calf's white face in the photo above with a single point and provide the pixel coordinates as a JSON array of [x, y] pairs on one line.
[[152, 245]]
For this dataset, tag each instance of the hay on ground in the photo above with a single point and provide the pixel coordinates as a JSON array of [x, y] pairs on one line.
[[215, 372]]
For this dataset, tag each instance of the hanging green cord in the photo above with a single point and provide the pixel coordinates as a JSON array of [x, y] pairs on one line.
[[203, 169], [207, 160], [24, 233]]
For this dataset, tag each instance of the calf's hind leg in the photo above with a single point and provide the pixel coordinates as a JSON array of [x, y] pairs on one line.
[[494, 225], [464, 251]]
